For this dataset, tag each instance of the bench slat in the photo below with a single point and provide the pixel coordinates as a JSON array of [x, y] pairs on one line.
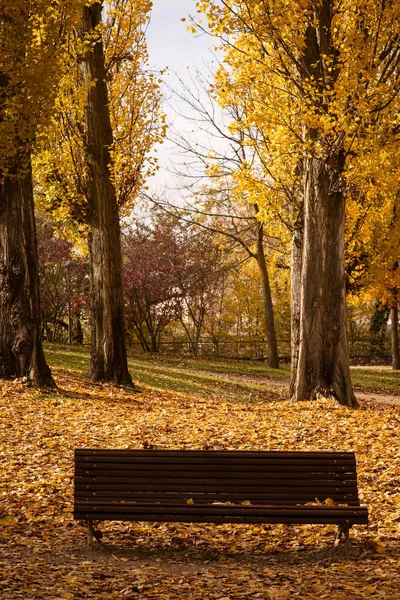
[[252, 520], [218, 508], [207, 498], [277, 501], [259, 470], [195, 479], [199, 486], [227, 471], [228, 513], [147, 461], [215, 453]]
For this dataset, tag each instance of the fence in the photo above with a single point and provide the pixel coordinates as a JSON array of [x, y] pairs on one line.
[[365, 350]]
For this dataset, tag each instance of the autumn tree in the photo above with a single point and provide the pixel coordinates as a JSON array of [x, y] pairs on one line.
[[213, 209], [152, 258], [172, 273], [108, 357], [32, 37], [64, 282], [205, 265], [210, 158], [98, 157], [321, 80], [373, 240]]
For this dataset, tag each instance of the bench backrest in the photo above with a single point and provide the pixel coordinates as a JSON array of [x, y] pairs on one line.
[[207, 476]]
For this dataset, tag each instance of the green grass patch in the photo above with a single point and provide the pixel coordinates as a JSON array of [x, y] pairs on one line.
[[376, 378], [227, 379], [72, 358], [186, 381]]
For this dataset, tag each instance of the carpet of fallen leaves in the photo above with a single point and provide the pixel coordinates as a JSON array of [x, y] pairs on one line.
[[42, 549]]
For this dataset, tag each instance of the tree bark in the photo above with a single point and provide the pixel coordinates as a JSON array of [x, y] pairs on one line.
[[295, 290], [322, 366], [321, 360], [394, 317], [21, 351], [108, 354], [273, 356]]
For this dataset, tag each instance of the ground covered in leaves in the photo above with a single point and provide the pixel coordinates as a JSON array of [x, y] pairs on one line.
[[43, 553]]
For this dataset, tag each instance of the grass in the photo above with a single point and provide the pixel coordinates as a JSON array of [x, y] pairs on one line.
[[376, 378], [190, 377], [228, 379]]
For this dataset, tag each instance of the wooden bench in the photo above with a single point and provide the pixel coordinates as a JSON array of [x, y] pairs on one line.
[[194, 485]]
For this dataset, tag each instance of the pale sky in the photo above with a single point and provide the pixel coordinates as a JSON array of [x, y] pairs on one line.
[[171, 45], [168, 41]]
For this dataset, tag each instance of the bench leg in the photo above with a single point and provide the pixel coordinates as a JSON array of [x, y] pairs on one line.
[[343, 531], [90, 534], [347, 540]]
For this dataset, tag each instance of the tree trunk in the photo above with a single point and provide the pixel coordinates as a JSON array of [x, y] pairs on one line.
[[272, 345], [394, 317], [21, 351], [153, 338], [77, 331], [108, 355], [322, 366], [321, 360], [70, 323], [295, 290], [273, 356]]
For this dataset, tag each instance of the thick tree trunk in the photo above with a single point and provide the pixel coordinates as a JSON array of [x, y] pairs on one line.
[[21, 352], [394, 317], [108, 355], [273, 356], [323, 358]]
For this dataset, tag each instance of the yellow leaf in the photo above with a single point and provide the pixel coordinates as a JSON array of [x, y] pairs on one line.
[[190, 501], [380, 547]]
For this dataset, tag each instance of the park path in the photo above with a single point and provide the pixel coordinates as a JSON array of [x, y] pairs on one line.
[[388, 398], [381, 398]]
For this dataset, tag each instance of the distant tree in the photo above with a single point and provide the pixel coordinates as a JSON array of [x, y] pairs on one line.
[[64, 283], [199, 282], [210, 161], [152, 257], [378, 324], [172, 273]]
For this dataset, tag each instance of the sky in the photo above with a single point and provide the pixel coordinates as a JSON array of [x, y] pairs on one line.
[[168, 41], [171, 45]]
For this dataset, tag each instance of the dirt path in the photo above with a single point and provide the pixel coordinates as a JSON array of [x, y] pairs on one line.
[[380, 397]]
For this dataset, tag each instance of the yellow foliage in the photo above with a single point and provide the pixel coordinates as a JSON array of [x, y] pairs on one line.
[[32, 43], [325, 84], [136, 118]]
